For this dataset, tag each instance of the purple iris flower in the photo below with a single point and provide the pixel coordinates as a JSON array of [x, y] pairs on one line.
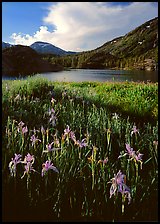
[[134, 130], [34, 139], [13, 164], [29, 158], [52, 111], [42, 130], [28, 161], [72, 136], [53, 119], [137, 157], [130, 151], [67, 130], [20, 125], [49, 147], [134, 155], [28, 168], [24, 130], [48, 166], [119, 185], [82, 144]]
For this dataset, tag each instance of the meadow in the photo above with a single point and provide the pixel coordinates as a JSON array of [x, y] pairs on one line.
[[83, 151]]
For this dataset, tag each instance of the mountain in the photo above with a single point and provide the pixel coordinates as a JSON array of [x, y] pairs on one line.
[[6, 45], [137, 49], [46, 48], [23, 60]]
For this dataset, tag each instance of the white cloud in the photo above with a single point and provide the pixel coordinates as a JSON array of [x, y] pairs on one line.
[[88, 25]]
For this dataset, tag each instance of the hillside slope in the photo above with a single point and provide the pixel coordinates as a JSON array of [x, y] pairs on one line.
[[137, 49], [22, 60]]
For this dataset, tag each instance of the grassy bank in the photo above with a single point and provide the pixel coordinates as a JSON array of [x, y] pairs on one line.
[[84, 129]]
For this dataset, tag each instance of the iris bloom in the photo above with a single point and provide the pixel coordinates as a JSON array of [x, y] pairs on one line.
[[72, 136], [20, 125], [48, 166], [49, 148], [136, 156], [134, 130], [67, 130], [69, 134], [34, 139], [13, 164], [24, 130], [43, 130], [103, 161], [82, 144], [119, 185], [28, 168], [53, 117], [29, 158], [28, 161]]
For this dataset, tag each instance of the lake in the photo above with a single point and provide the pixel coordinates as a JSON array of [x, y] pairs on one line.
[[101, 75]]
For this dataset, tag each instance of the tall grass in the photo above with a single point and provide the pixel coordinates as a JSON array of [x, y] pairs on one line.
[[87, 138]]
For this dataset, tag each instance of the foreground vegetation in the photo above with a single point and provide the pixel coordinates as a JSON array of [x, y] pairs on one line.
[[79, 151]]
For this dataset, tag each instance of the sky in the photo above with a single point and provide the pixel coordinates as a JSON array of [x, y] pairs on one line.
[[72, 26]]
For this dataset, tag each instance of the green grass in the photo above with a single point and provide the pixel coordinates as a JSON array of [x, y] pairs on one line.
[[80, 191]]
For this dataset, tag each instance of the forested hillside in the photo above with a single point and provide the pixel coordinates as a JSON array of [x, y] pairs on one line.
[[138, 49]]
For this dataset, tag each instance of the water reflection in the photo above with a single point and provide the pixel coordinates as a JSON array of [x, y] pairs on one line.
[[79, 75]]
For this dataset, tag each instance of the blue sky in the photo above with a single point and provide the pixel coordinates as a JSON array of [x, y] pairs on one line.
[[74, 26]]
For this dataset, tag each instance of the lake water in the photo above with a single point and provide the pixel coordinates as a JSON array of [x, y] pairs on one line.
[[101, 75]]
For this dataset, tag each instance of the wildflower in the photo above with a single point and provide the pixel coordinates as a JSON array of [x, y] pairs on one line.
[[56, 142], [29, 158], [133, 155], [13, 164], [20, 125], [53, 117], [49, 148], [115, 116], [135, 130], [42, 130], [52, 111], [53, 100], [119, 185], [34, 131], [28, 161], [48, 166], [92, 158], [53, 120], [24, 130], [28, 168], [67, 130], [72, 136], [82, 144], [103, 161], [137, 157], [34, 139]]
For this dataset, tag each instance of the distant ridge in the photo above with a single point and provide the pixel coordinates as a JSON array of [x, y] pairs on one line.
[[46, 48]]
